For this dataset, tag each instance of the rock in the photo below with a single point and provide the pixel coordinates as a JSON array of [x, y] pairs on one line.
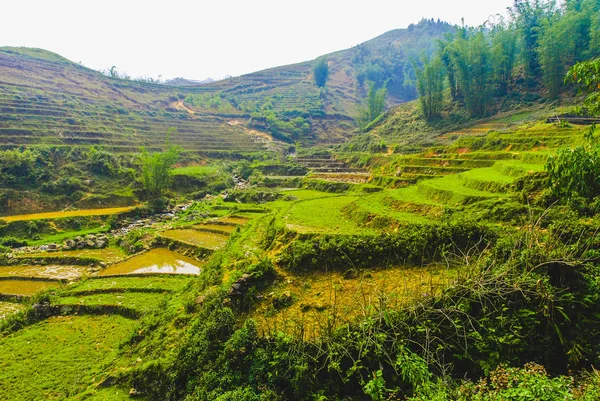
[[102, 265], [88, 182], [51, 247], [70, 243], [200, 299], [101, 244], [90, 237], [90, 244], [80, 244], [78, 239]]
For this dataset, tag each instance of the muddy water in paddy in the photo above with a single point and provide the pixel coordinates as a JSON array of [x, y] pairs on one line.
[[159, 260], [204, 239], [49, 271], [72, 213], [25, 287]]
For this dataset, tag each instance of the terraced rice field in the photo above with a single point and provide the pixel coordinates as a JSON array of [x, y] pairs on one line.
[[140, 301], [72, 213], [206, 240], [158, 260], [323, 301], [159, 283], [223, 229], [108, 255], [59, 272], [64, 354], [26, 287]]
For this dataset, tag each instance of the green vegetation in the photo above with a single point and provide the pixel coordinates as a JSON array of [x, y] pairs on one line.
[[373, 106], [78, 347], [321, 72], [156, 171], [449, 252], [430, 85]]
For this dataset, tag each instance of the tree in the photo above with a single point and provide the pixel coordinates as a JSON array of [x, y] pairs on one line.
[[528, 16], [577, 171], [471, 59], [587, 75], [373, 106], [321, 71], [504, 52], [430, 85], [156, 170]]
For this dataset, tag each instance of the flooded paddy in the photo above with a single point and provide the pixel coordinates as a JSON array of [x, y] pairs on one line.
[[58, 272], [158, 260], [25, 287], [71, 213], [204, 239]]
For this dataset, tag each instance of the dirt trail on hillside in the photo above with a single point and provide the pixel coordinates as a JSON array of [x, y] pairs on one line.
[[179, 105], [250, 131]]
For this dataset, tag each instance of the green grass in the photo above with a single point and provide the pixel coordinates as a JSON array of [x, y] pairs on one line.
[[451, 190], [196, 170], [60, 357], [143, 302], [165, 282], [322, 215], [486, 179], [516, 168], [58, 238]]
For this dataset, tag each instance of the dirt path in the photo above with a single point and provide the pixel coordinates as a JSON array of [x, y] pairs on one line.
[[179, 105]]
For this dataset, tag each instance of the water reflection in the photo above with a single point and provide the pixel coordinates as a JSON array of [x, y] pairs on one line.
[[159, 260]]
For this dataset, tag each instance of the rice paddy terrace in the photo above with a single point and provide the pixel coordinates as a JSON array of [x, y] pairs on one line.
[[84, 311], [48, 100], [71, 295]]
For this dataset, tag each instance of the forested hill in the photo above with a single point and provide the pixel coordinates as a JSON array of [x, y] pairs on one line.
[[46, 99]]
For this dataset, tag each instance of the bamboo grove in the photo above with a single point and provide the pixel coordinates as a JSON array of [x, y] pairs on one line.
[[530, 51]]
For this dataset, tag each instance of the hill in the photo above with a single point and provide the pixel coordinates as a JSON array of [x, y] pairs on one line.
[[46, 99]]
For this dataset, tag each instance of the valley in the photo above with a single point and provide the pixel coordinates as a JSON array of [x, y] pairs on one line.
[[386, 222]]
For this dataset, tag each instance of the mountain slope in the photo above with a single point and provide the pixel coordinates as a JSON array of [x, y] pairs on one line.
[[46, 99]]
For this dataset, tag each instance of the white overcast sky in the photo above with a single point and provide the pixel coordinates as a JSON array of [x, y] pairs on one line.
[[200, 39]]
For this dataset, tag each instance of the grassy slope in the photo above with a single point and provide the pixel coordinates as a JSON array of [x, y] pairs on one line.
[[64, 355]]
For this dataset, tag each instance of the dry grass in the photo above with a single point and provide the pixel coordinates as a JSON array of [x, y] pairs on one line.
[[323, 301]]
